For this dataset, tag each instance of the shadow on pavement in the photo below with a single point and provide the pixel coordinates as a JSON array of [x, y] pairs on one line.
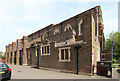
[[35, 66], [118, 70]]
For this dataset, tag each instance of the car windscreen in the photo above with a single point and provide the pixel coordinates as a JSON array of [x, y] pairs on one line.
[[3, 66]]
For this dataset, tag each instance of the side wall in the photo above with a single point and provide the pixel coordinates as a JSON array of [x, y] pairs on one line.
[[89, 53]]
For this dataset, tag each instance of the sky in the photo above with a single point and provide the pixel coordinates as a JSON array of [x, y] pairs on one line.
[[20, 18]]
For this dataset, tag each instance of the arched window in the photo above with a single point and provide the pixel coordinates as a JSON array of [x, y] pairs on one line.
[[80, 27], [68, 27], [44, 36], [56, 31]]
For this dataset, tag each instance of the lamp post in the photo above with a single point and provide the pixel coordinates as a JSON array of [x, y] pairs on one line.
[[77, 47]]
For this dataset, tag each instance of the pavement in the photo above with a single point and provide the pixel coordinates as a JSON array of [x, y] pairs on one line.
[[118, 70], [26, 72]]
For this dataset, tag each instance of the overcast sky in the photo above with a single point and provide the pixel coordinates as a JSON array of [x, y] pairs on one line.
[[20, 18]]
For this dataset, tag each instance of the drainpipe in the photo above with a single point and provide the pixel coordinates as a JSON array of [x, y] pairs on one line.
[[100, 50], [76, 26], [77, 47]]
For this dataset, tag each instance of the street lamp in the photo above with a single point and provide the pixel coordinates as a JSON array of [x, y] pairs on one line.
[[77, 47]]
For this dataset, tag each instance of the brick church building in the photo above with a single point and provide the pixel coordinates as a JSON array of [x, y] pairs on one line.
[[72, 45]]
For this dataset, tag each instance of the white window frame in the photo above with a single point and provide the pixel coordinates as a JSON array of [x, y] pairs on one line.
[[79, 25], [44, 50], [56, 31], [69, 54], [67, 27], [44, 35], [102, 57]]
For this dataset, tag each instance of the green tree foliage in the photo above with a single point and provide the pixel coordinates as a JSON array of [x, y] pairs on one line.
[[1, 55], [115, 36]]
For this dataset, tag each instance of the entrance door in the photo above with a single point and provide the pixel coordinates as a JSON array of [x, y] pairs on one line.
[[11, 58], [38, 57], [15, 58], [20, 58], [31, 59]]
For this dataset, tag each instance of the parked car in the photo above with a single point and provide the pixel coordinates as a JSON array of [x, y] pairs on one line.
[[5, 71]]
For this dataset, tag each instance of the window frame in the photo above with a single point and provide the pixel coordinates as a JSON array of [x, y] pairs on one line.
[[44, 36], [102, 56], [79, 25], [69, 54], [43, 50], [11, 54], [56, 31], [68, 27]]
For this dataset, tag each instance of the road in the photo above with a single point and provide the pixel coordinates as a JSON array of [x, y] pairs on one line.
[[26, 72]]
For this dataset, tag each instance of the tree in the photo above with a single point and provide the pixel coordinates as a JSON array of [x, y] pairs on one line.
[[116, 45], [1, 55]]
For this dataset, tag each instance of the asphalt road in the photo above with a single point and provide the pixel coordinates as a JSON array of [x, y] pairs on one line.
[[26, 72]]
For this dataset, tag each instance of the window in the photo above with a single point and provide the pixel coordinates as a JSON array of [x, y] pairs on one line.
[[103, 56], [45, 50], [42, 50], [68, 27], [56, 31], [48, 49], [38, 34], [28, 54], [64, 54], [11, 54], [96, 30], [15, 54], [80, 27], [44, 36]]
